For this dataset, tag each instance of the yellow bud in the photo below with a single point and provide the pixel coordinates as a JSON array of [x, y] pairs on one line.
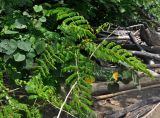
[[89, 79], [115, 75]]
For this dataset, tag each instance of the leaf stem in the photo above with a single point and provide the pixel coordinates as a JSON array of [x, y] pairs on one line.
[[73, 86]]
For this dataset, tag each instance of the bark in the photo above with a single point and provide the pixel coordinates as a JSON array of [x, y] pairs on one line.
[[151, 37], [146, 54], [102, 97], [151, 49], [102, 87], [123, 112], [134, 40]]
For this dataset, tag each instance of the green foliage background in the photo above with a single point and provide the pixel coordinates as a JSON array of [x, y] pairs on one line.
[[48, 46]]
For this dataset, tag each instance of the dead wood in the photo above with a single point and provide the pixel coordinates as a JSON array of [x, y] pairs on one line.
[[151, 49], [146, 54], [102, 97], [137, 26], [124, 111], [134, 40], [154, 113], [119, 32], [114, 38], [102, 87], [139, 112], [153, 66], [151, 37]]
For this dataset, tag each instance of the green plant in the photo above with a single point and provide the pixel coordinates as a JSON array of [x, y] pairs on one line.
[[123, 12], [47, 53]]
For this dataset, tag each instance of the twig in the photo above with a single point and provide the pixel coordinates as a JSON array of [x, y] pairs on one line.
[[101, 43], [136, 32], [133, 26], [121, 41], [107, 32], [124, 92], [102, 87], [14, 90], [34, 102], [115, 38], [62, 109], [66, 99], [73, 86]]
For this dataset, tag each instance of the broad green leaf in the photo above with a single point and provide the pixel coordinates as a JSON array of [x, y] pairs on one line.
[[4, 44], [19, 57], [40, 47], [12, 46], [38, 8], [29, 59], [24, 45], [30, 55], [6, 30], [122, 10], [29, 62], [42, 19], [6, 57], [38, 24], [8, 46], [32, 39], [32, 51], [20, 23], [26, 14]]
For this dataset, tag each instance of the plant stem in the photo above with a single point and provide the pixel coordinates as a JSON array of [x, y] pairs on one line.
[[102, 43], [73, 86]]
